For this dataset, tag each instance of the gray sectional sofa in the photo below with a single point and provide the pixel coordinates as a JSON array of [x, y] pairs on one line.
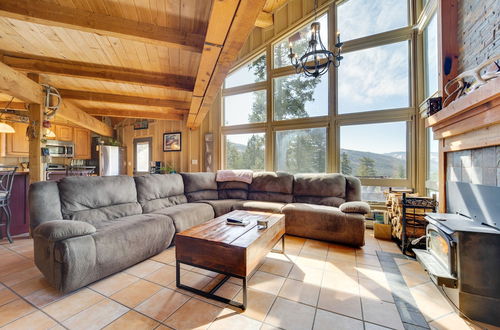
[[86, 228]]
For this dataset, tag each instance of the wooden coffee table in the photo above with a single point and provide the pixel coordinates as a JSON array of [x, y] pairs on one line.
[[234, 251]]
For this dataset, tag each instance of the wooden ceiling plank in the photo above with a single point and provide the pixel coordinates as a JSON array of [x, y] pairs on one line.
[[135, 114], [99, 72], [242, 24], [120, 98], [49, 13], [16, 84], [73, 114]]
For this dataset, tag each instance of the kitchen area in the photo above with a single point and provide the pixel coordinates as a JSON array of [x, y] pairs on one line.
[[69, 151]]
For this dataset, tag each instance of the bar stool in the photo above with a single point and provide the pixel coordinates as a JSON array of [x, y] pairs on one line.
[[6, 182]]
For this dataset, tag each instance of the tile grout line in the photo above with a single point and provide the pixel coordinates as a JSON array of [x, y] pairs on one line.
[[30, 303]]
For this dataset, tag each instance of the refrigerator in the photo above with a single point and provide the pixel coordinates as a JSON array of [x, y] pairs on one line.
[[111, 160]]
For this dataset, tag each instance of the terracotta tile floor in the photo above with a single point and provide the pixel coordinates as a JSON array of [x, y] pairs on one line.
[[315, 285]]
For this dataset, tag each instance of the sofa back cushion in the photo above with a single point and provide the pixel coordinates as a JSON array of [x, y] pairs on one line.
[[353, 189], [44, 203], [158, 191], [232, 190], [98, 198], [271, 187], [200, 185], [322, 189]]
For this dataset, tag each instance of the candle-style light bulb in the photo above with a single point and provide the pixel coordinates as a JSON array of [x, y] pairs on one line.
[[338, 37]]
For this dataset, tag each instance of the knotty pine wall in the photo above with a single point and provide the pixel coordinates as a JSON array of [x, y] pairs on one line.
[[193, 142]]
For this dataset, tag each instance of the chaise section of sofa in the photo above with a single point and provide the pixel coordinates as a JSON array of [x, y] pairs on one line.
[[93, 228], [324, 209]]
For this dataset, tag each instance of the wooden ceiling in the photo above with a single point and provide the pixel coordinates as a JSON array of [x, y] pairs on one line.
[[159, 59]]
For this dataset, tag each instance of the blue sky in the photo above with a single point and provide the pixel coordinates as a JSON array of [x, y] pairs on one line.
[[369, 79]]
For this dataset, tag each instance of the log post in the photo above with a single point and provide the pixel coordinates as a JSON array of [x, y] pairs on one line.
[[37, 168]]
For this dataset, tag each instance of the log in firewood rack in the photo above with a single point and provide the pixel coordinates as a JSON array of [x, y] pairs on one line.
[[413, 221]]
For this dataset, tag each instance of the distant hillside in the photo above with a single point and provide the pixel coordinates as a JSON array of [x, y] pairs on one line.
[[386, 165]]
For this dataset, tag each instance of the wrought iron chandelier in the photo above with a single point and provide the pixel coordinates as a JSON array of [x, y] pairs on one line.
[[317, 59]]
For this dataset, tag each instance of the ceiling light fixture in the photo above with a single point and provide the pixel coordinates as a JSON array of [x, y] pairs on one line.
[[317, 59], [6, 128]]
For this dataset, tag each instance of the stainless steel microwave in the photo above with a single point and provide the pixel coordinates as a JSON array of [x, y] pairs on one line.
[[61, 149]]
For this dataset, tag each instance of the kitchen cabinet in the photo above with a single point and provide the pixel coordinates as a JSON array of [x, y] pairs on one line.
[[17, 144], [64, 133], [82, 143]]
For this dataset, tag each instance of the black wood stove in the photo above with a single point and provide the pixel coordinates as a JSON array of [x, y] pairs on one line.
[[462, 254]]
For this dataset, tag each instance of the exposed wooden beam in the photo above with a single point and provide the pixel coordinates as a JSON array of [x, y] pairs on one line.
[[50, 13], [134, 114], [16, 84], [264, 20], [241, 26], [124, 99], [98, 72], [13, 105], [36, 117], [73, 114]]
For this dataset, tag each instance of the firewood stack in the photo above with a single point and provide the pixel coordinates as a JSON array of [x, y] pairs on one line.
[[394, 203]]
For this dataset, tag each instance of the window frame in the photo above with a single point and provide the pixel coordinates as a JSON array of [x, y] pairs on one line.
[[333, 120]]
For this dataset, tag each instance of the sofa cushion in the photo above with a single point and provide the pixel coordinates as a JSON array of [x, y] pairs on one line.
[[123, 242], [355, 207], [44, 203], [221, 206], [324, 223], [271, 187], [157, 191], [198, 186], [58, 230], [322, 189], [188, 215], [232, 190], [98, 198], [353, 189], [272, 207]]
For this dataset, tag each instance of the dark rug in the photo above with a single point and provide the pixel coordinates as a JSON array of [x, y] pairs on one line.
[[410, 314]]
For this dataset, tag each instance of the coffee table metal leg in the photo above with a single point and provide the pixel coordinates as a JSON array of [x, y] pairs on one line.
[[244, 293], [282, 246], [211, 294]]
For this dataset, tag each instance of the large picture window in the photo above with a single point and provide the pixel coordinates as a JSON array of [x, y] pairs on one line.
[[356, 119], [361, 18], [245, 108], [253, 72], [296, 96], [301, 150], [431, 57], [374, 151], [245, 151], [374, 79]]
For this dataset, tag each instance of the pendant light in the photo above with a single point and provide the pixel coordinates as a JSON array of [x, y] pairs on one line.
[[317, 59], [6, 128]]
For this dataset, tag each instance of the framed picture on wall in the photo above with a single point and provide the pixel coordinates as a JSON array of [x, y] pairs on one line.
[[172, 141]]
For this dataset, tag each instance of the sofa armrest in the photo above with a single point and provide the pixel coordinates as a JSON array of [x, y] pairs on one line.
[[355, 207], [58, 230]]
